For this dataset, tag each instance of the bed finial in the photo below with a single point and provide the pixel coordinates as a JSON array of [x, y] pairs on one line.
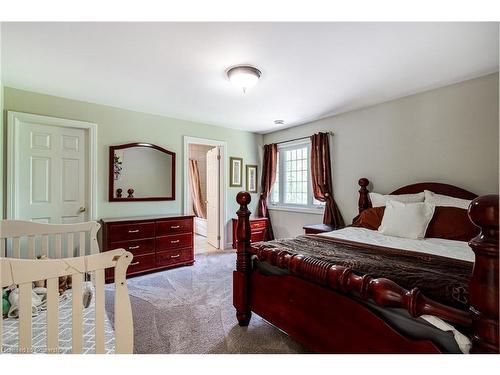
[[364, 199], [241, 289], [483, 287]]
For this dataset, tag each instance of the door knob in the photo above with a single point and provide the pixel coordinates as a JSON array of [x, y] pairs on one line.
[[82, 209]]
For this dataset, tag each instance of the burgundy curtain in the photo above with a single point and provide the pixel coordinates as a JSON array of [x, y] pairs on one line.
[[268, 177], [321, 175]]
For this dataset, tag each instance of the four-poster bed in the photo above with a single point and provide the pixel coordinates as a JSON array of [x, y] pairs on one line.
[[332, 308]]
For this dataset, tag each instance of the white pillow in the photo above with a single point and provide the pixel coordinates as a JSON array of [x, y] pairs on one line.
[[380, 200], [407, 220], [445, 200]]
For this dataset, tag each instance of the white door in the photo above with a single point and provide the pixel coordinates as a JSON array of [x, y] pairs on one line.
[[213, 194], [49, 172]]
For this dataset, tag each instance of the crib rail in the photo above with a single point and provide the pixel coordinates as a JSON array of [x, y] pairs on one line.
[[28, 240], [23, 272]]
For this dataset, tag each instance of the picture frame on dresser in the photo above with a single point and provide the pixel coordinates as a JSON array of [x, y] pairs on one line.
[[145, 171]]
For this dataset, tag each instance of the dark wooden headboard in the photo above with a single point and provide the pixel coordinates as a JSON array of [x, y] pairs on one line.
[[436, 187]]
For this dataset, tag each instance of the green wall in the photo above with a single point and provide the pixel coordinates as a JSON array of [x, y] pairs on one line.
[[116, 126]]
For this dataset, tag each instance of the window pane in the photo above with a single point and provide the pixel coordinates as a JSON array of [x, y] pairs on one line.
[[296, 175]]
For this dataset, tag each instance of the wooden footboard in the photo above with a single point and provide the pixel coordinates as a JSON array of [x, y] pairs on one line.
[[326, 287], [327, 321]]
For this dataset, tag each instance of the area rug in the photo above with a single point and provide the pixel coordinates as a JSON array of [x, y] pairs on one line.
[[189, 310], [39, 330]]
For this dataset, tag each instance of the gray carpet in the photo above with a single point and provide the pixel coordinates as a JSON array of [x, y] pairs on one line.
[[189, 310]]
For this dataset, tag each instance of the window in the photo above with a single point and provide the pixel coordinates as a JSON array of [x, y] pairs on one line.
[[292, 188]]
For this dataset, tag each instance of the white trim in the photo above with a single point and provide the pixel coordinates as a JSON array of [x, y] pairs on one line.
[[13, 121], [305, 210], [293, 144], [223, 176]]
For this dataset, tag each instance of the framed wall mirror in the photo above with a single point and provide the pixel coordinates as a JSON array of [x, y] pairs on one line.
[[141, 172]]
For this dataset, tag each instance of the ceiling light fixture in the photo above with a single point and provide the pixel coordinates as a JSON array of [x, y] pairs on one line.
[[279, 122], [243, 76]]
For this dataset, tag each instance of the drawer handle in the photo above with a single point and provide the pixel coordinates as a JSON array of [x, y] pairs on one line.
[[175, 256], [135, 263], [133, 247], [133, 231], [258, 232], [176, 241], [175, 226]]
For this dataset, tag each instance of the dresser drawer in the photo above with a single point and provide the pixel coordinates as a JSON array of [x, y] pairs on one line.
[[139, 264], [167, 227], [174, 241], [257, 235], [258, 224], [142, 263], [167, 258], [124, 232], [136, 247]]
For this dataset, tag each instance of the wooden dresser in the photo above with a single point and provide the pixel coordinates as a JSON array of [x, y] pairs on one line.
[[258, 228], [157, 242]]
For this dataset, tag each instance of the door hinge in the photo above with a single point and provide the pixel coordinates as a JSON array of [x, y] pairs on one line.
[[218, 238], [218, 157]]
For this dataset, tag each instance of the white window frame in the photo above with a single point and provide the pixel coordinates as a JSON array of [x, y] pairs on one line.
[[310, 207]]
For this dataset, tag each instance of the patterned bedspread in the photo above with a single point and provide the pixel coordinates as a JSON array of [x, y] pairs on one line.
[[10, 330], [445, 280]]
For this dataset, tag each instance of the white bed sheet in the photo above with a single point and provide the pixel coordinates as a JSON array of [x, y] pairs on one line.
[[435, 246]]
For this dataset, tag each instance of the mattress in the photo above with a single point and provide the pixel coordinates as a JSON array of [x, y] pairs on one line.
[[433, 246], [39, 330]]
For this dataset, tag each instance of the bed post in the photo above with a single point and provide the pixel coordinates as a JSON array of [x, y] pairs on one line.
[[364, 199], [241, 277], [483, 287]]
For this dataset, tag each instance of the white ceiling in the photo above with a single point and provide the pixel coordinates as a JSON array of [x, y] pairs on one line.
[[310, 70]]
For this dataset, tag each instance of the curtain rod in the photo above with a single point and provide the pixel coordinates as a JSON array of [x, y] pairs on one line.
[[298, 139]]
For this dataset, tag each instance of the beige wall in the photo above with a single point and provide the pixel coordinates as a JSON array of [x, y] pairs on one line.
[[447, 135], [116, 126]]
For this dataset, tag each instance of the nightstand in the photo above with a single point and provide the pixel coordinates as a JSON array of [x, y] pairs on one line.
[[317, 228], [258, 229]]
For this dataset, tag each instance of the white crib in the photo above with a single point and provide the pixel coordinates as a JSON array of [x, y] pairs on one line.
[[71, 249]]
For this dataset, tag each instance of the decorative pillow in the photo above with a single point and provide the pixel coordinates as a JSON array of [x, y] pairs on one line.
[[369, 219], [380, 200], [407, 220], [451, 223], [445, 200]]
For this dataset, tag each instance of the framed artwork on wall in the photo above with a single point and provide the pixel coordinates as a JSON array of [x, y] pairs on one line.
[[251, 177], [235, 172]]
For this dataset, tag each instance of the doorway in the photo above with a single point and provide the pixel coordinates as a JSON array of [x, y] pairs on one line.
[[51, 169], [204, 196]]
